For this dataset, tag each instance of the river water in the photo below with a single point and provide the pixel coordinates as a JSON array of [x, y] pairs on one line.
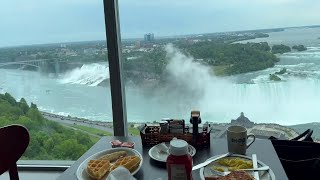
[[294, 100]]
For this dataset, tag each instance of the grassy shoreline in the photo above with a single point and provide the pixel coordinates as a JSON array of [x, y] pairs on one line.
[[92, 130]]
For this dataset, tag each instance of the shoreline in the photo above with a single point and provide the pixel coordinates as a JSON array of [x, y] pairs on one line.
[[76, 119]]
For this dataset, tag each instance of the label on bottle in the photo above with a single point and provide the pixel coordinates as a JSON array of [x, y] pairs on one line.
[[178, 172]]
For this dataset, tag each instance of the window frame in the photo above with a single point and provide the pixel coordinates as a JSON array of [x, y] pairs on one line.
[[118, 98]]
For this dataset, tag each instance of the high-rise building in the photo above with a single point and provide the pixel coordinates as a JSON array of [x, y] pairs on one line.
[[149, 37]]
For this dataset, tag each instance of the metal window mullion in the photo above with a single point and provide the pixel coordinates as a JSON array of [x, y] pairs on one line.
[[111, 16]]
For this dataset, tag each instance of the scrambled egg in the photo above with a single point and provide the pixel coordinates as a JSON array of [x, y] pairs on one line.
[[218, 168], [233, 164]]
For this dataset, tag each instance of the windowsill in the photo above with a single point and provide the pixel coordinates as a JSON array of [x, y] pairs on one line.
[[44, 165], [40, 169], [32, 175]]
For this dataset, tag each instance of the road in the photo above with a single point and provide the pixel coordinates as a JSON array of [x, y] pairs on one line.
[[69, 126], [69, 121]]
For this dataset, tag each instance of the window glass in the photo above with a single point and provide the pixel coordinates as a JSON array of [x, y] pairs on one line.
[[223, 58], [55, 75]]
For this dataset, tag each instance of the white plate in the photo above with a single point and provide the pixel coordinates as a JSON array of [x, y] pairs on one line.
[[157, 155], [264, 175], [82, 172]]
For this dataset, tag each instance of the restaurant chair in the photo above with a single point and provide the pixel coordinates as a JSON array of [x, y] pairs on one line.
[[14, 140]]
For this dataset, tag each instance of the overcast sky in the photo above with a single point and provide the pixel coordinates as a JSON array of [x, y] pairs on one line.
[[25, 22]]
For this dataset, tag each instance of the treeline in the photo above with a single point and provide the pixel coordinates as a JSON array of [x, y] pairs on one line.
[[54, 52], [235, 58], [299, 47], [280, 49], [140, 66], [238, 58], [48, 140]]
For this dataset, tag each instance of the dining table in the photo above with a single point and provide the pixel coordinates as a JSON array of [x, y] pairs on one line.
[[155, 170]]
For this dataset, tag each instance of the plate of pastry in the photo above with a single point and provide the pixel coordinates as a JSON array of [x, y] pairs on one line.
[[99, 165], [232, 167]]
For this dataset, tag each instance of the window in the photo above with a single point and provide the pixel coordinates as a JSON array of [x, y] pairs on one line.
[[55, 75], [223, 58]]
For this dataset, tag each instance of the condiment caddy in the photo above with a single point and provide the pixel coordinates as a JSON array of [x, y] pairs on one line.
[[170, 128]]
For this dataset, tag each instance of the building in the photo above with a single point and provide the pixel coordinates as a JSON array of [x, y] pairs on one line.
[[242, 121], [149, 37], [137, 44], [90, 51]]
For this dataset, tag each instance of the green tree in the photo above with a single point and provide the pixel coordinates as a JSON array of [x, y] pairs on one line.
[[24, 105], [84, 140], [10, 99], [69, 149], [280, 49], [35, 115], [34, 106], [49, 145], [33, 150], [299, 47], [48, 139]]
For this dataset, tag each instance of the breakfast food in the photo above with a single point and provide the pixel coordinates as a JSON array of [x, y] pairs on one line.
[[129, 162], [234, 175], [116, 143], [114, 156], [234, 164], [98, 168], [101, 166], [127, 144], [221, 169]]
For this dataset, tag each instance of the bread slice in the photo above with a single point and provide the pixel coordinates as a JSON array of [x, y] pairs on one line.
[[234, 175]]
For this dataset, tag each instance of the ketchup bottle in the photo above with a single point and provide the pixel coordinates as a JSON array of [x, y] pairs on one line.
[[179, 162]]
